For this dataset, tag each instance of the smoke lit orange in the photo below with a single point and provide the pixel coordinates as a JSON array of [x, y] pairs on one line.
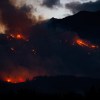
[[20, 74]]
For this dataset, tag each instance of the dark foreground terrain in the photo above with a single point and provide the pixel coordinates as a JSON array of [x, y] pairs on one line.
[[59, 87]]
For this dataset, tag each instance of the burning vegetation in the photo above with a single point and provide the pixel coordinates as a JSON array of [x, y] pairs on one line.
[[30, 58], [18, 36], [12, 80], [85, 43], [21, 74]]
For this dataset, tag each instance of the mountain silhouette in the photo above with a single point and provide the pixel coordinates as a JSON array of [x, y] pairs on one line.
[[86, 24]]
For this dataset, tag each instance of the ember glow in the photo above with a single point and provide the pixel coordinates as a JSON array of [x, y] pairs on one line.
[[8, 80], [21, 74], [84, 43], [20, 79], [18, 36], [17, 75], [12, 80]]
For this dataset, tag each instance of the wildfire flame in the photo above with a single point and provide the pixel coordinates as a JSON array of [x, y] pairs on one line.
[[20, 74], [18, 36], [8, 80], [12, 80], [84, 43]]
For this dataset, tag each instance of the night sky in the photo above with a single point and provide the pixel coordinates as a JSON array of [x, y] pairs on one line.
[[48, 38]]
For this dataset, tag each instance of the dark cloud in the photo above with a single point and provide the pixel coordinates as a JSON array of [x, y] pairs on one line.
[[51, 3], [16, 19], [89, 6]]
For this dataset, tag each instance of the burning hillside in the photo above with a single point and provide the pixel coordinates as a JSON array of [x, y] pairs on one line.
[[85, 43]]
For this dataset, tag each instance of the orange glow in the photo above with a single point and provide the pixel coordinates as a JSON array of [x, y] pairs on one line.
[[21, 80], [8, 80], [20, 74], [18, 36], [14, 80], [81, 42], [84, 43]]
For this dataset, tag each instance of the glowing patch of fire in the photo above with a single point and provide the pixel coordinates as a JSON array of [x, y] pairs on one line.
[[84, 43], [8, 80], [11, 80], [17, 36]]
